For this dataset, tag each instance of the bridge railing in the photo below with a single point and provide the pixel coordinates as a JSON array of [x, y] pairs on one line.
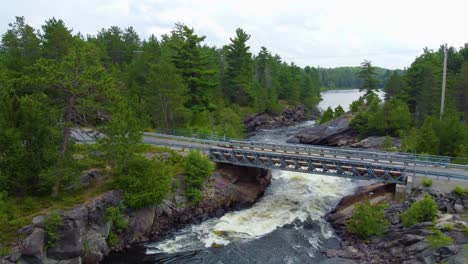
[[425, 160]]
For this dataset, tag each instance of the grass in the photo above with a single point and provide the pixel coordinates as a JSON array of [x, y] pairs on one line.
[[439, 239], [448, 227], [25, 209]]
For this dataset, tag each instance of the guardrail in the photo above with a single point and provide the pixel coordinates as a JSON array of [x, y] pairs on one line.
[[420, 160]]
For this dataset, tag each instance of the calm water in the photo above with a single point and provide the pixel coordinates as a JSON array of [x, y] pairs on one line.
[[333, 98], [285, 226]]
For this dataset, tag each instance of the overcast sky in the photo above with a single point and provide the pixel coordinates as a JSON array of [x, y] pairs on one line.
[[326, 33]]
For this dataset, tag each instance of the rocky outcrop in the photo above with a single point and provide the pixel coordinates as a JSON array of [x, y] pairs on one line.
[[85, 231], [288, 117], [336, 132], [402, 244]]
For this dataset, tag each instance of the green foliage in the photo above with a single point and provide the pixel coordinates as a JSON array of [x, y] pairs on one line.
[[375, 118], [465, 230], [113, 239], [426, 182], [197, 168], [368, 220], [144, 182], [393, 86], [52, 224], [116, 217], [388, 143], [348, 77], [339, 111], [327, 115], [448, 227], [420, 211], [367, 74], [460, 190], [438, 239], [427, 141]]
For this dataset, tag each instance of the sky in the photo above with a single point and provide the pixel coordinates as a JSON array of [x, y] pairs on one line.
[[325, 33]]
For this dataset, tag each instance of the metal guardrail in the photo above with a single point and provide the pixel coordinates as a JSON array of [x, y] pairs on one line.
[[373, 169], [424, 160]]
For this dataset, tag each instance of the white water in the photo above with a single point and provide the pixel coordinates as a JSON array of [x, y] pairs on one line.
[[291, 197]]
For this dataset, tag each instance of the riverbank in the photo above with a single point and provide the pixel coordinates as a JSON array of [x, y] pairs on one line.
[[84, 234], [401, 244]]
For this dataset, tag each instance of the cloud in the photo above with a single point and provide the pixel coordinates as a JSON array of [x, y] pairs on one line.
[[309, 32]]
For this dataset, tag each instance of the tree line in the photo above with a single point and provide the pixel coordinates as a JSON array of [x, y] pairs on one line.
[[348, 77], [54, 80], [411, 107]]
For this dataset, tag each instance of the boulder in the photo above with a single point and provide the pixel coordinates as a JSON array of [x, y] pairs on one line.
[[336, 132], [71, 243], [139, 225], [33, 245], [95, 247]]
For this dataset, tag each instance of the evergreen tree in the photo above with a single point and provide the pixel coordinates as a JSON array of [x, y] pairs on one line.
[[427, 141], [56, 40], [339, 111], [327, 115], [367, 74], [239, 70], [393, 86]]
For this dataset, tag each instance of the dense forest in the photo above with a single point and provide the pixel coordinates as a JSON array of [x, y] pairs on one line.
[[411, 109], [56, 84], [348, 77]]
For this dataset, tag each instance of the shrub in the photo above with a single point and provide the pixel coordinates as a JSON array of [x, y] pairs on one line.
[[439, 239], [420, 211], [465, 230], [144, 182], [53, 223], [113, 239], [368, 220], [327, 115], [426, 182], [448, 227], [115, 216], [459, 190], [197, 168]]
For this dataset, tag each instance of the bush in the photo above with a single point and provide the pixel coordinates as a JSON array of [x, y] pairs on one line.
[[115, 216], [368, 220], [327, 115], [426, 182], [459, 190], [448, 227], [439, 239], [113, 239], [197, 168], [465, 230], [53, 223], [144, 182], [420, 211]]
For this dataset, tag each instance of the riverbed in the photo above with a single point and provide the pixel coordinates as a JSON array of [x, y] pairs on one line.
[[285, 226]]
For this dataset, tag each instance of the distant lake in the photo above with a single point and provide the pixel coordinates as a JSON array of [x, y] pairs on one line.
[[333, 98]]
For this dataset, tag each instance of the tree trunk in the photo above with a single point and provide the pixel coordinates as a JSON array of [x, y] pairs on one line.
[[65, 142]]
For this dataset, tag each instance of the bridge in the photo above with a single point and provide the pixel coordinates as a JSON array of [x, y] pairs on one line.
[[342, 162]]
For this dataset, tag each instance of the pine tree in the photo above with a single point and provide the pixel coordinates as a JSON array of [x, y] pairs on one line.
[[393, 86], [367, 74], [239, 70], [327, 115], [427, 141]]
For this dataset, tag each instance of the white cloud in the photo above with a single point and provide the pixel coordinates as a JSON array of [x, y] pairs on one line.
[[310, 32]]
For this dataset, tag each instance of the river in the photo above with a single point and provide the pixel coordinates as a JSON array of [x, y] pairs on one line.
[[285, 226]]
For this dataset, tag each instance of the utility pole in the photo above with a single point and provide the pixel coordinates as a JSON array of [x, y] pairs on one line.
[[444, 76]]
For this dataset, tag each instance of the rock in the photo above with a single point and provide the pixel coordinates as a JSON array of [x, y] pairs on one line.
[[417, 247], [409, 239], [71, 243], [38, 221], [264, 120], [98, 206], [95, 247], [33, 245], [445, 252], [219, 212], [376, 143], [79, 212], [459, 208], [89, 176], [139, 225], [336, 132]]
